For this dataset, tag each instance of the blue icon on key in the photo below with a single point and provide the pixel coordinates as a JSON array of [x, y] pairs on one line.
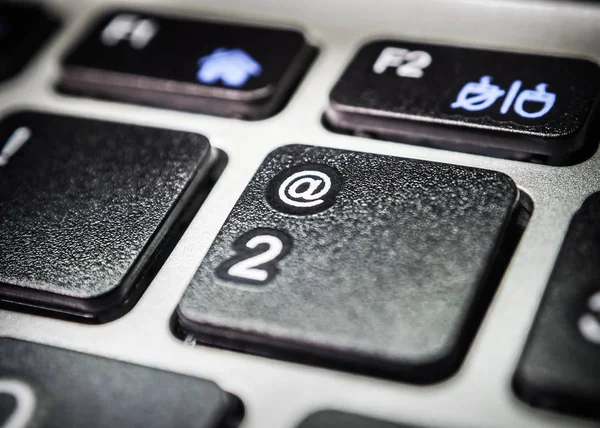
[[233, 67], [479, 96], [547, 99]]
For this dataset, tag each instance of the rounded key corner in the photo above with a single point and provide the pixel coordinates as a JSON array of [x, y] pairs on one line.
[[300, 33], [430, 369], [507, 181], [334, 114], [589, 60], [99, 309], [520, 384], [179, 320], [181, 325], [440, 366], [53, 16], [531, 391], [104, 13], [592, 200]]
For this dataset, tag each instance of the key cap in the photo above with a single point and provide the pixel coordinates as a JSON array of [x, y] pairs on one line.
[[23, 30], [217, 68], [335, 419], [525, 107], [54, 387], [559, 367], [356, 261], [90, 209]]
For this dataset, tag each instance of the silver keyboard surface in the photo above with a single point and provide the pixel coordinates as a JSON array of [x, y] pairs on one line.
[[279, 394]]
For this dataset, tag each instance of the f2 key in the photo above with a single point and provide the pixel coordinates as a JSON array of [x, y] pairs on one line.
[[525, 107], [216, 68], [358, 261]]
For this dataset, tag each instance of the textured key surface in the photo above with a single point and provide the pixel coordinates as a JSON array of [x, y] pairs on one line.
[[559, 368], [491, 102], [23, 30], [334, 419], [382, 272], [85, 204], [217, 68], [45, 386]]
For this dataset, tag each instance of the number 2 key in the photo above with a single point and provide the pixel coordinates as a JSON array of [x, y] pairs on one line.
[[352, 260]]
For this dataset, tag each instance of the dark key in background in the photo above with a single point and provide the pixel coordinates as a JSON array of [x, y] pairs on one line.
[[23, 30], [89, 210], [526, 107], [224, 69], [335, 419], [356, 261], [560, 367], [43, 386]]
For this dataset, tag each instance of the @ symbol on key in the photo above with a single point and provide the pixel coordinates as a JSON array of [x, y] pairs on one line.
[[305, 188]]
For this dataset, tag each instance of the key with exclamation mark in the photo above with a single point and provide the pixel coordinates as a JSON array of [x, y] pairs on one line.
[[14, 144]]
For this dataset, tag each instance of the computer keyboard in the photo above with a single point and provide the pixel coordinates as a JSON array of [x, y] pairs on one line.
[[299, 214]]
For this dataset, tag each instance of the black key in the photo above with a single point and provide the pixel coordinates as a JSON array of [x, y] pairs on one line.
[[89, 208], [524, 107], [559, 368], [210, 67], [363, 262], [50, 387], [335, 419], [23, 30]]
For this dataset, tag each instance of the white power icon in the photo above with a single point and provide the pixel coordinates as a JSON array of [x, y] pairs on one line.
[[589, 324]]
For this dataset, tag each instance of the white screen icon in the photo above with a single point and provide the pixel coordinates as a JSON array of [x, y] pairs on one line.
[[589, 326], [137, 30]]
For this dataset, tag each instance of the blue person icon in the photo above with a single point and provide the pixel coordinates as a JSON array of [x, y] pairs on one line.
[[539, 95], [477, 96]]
